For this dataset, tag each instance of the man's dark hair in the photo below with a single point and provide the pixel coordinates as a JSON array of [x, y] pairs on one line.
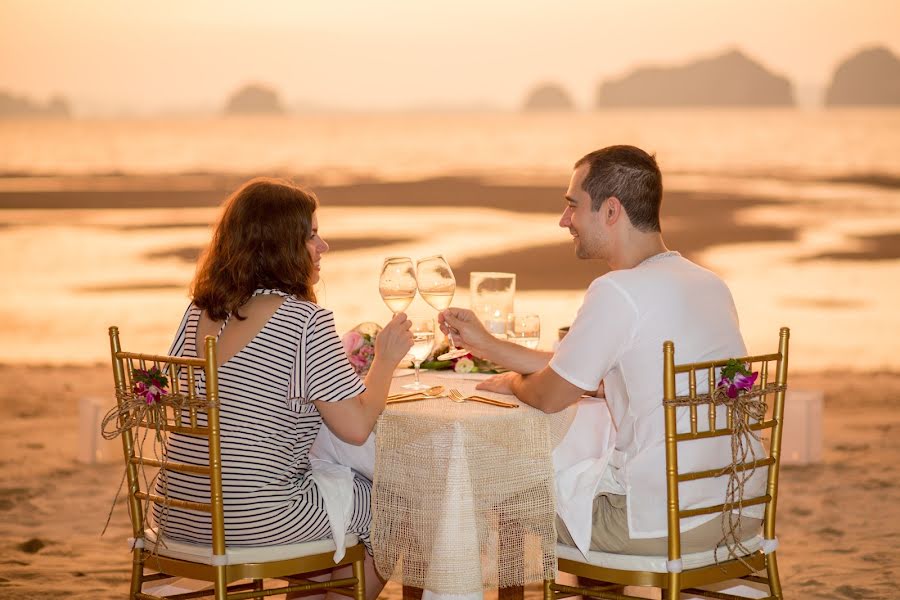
[[629, 174]]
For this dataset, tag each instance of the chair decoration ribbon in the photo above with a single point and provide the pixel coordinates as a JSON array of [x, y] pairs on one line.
[[735, 389], [146, 405]]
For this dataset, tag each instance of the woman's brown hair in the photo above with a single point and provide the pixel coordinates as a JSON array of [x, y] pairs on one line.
[[259, 242]]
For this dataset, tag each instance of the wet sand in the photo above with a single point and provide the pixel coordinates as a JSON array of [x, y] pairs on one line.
[[692, 221]]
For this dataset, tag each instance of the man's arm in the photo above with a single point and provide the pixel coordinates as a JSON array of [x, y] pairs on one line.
[[544, 390], [468, 332]]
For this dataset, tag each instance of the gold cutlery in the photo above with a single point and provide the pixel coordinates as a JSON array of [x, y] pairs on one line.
[[433, 392], [456, 396], [409, 399]]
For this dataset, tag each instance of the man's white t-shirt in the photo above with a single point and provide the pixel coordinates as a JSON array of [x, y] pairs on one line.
[[617, 337]]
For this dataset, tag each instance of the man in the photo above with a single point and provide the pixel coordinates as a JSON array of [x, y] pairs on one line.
[[650, 295]]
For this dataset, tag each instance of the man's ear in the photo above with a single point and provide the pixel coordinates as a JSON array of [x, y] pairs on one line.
[[612, 210]]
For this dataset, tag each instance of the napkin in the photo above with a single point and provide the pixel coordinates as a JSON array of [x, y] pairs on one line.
[[332, 463], [335, 483]]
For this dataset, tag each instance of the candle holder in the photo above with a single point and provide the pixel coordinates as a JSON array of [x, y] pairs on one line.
[[492, 298]]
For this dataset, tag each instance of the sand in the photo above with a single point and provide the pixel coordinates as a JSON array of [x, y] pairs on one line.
[[838, 522]]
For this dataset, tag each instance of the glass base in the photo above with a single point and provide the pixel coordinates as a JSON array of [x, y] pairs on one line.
[[415, 385]]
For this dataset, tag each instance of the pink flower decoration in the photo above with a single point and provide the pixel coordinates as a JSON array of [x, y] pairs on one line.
[[359, 345], [351, 341]]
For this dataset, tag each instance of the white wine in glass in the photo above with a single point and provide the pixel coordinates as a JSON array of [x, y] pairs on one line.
[[423, 343], [397, 283], [437, 285]]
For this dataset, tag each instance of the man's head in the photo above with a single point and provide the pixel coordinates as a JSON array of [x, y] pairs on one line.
[[615, 189]]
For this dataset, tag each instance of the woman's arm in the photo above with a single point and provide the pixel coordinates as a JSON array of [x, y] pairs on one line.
[[353, 419]]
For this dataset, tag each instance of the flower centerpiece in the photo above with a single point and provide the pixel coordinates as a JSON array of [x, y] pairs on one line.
[[359, 344]]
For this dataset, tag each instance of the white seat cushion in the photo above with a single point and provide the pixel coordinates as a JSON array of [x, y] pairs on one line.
[[200, 553], [653, 564]]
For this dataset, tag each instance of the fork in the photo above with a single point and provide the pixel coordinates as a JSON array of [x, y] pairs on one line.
[[456, 396]]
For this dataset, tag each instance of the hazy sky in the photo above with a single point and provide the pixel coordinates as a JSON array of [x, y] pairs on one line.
[[110, 56]]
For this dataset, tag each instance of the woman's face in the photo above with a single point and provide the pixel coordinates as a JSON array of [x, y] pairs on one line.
[[316, 246]]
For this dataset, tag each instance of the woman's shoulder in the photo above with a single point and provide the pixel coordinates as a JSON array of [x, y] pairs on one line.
[[295, 303], [298, 309]]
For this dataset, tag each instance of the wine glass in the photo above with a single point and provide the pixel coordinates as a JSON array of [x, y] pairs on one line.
[[423, 343], [437, 285], [524, 330], [397, 283]]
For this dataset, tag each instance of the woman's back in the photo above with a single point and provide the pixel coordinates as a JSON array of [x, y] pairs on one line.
[[266, 425]]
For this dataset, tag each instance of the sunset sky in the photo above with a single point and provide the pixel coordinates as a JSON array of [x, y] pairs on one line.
[[131, 56]]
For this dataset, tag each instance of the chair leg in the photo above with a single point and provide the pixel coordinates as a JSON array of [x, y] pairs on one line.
[[221, 584], [548, 591], [359, 571], [673, 591], [137, 573], [774, 581], [258, 586]]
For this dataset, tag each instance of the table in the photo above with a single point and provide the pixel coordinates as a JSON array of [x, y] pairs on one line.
[[463, 498]]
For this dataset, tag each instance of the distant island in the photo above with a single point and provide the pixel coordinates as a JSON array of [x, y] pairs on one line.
[[729, 79], [870, 77], [254, 99], [548, 97], [13, 106]]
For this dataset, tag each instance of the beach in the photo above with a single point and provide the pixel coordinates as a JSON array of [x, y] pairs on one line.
[[109, 241], [838, 521]]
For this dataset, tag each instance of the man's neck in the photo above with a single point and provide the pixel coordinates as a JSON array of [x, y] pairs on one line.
[[638, 248]]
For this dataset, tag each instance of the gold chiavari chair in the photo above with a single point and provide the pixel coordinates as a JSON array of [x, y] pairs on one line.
[[677, 574], [224, 567]]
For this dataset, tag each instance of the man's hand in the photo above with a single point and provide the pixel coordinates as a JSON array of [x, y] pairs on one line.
[[501, 384], [467, 330]]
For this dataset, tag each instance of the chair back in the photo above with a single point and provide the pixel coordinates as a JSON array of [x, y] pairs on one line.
[[738, 423], [146, 415]]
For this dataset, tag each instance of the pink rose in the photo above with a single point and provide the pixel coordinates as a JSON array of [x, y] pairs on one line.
[[351, 341]]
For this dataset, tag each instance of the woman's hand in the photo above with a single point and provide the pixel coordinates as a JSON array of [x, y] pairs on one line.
[[395, 340]]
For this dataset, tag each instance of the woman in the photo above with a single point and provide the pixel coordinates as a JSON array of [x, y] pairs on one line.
[[282, 371]]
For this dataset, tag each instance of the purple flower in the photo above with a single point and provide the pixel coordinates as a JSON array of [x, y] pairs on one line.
[[745, 382], [740, 384]]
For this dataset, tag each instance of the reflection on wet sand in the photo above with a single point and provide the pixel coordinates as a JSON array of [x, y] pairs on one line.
[[796, 258]]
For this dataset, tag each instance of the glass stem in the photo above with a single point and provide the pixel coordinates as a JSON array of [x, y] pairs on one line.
[[416, 365]]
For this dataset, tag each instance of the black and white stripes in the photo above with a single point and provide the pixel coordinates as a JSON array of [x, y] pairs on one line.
[[268, 424]]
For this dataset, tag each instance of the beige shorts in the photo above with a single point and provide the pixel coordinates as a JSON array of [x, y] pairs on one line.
[[609, 532]]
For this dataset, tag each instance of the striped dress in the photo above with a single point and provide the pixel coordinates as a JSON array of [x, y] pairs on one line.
[[268, 423]]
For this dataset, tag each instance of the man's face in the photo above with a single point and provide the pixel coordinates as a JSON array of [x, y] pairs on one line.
[[585, 225]]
